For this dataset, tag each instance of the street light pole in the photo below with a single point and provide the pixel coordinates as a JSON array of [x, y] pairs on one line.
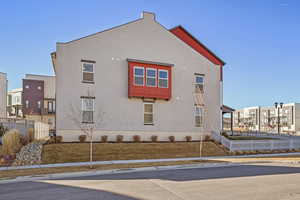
[[278, 106]]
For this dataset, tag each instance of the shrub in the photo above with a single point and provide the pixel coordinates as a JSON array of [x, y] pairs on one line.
[[59, 139], [30, 135], [104, 138], [154, 138], [207, 138], [172, 138], [23, 140], [11, 142], [51, 140], [136, 138], [119, 138], [188, 138], [3, 130], [82, 138]]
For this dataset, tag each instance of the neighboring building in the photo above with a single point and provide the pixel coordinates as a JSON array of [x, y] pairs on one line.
[[14, 103], [265, 119], [39, 98], [3, 94], [145, 80]]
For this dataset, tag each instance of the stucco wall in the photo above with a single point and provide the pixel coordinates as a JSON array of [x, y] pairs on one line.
[[3, 94], [143, 39]]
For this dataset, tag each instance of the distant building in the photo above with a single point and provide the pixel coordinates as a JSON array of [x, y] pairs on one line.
[[38, 98], [3, 94], [265, 119], [14, 103]]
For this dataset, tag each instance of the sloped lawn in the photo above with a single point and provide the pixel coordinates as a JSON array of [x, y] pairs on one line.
[[79, 152]]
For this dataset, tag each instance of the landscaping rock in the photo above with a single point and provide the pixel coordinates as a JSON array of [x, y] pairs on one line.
[[31, 154]]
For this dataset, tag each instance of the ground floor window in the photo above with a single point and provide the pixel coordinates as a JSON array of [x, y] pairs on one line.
[[198, 116], [148, 113], [87, 110]]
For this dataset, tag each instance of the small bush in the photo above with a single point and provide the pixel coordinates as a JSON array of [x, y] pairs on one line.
[[207, 138], [104, 138], [30, 135], [154, 138], [119, 138], [3, 130], [136, 138], [11, 142], [188, 138], [59, 139], [172, 138], [51, 140], [82, 138], [23, 140]]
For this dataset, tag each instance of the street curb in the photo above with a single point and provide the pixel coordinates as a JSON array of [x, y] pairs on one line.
[[115, 171], [141, 161]]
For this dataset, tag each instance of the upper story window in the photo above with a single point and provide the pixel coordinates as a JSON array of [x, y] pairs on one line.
[[39, 87], [139, 76], [87, 110], [151, 77], [87, 72], [199, 83], [27, 86], [163, 78]]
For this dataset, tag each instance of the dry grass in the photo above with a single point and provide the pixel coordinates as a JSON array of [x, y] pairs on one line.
[[40, 171], [79, 152], [11, 142]]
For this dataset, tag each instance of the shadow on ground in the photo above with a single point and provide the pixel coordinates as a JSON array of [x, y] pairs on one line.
[[199, 173]]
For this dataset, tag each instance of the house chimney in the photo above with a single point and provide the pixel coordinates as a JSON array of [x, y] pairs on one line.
[[148, 15]]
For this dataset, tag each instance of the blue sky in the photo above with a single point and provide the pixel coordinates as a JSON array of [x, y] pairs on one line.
[[259, 40]]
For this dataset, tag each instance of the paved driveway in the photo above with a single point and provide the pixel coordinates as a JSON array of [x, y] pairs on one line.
[[259, 181]]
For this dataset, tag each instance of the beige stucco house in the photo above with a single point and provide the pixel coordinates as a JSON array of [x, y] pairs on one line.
[[3, 94], [140, 79]]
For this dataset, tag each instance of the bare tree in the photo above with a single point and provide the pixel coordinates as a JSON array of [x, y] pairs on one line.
[[95, 120]]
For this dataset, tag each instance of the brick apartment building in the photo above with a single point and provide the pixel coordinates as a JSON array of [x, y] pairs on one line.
[[38, 98]]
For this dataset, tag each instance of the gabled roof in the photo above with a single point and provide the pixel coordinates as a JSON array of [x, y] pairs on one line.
[[190, 40]]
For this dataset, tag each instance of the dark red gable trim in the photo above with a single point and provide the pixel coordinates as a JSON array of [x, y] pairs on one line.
[[186, 37]]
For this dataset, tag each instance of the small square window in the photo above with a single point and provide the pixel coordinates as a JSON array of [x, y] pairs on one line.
[[27, 86], [39, 87]]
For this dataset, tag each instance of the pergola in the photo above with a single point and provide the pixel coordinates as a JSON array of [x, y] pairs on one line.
[[226, 110]]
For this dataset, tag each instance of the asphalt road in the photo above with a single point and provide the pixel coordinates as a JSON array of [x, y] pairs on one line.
[[246, 182]]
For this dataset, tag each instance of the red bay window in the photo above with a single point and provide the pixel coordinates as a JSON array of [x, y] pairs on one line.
[[149, 79]]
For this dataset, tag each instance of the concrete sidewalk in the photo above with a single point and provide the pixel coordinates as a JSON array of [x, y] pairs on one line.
[[144, 161]]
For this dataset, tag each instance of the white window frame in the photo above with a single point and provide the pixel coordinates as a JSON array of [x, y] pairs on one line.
[[27, 103], [153, 69], [134, 75], [93, 72], [200, 115], [39, 104], [82, 109], [148, 103], [195, 82], [163, 70]]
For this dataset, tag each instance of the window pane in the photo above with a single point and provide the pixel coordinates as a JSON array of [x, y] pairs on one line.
[[139, 71], [139, 80], [87, 104], [199, 79], [88, 77], [151, 81], [163, 83], [148, 118], [148, 108], [88, 67], [163, 74], [198, 88], [198, 121], [151, 73], [87, 116]]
